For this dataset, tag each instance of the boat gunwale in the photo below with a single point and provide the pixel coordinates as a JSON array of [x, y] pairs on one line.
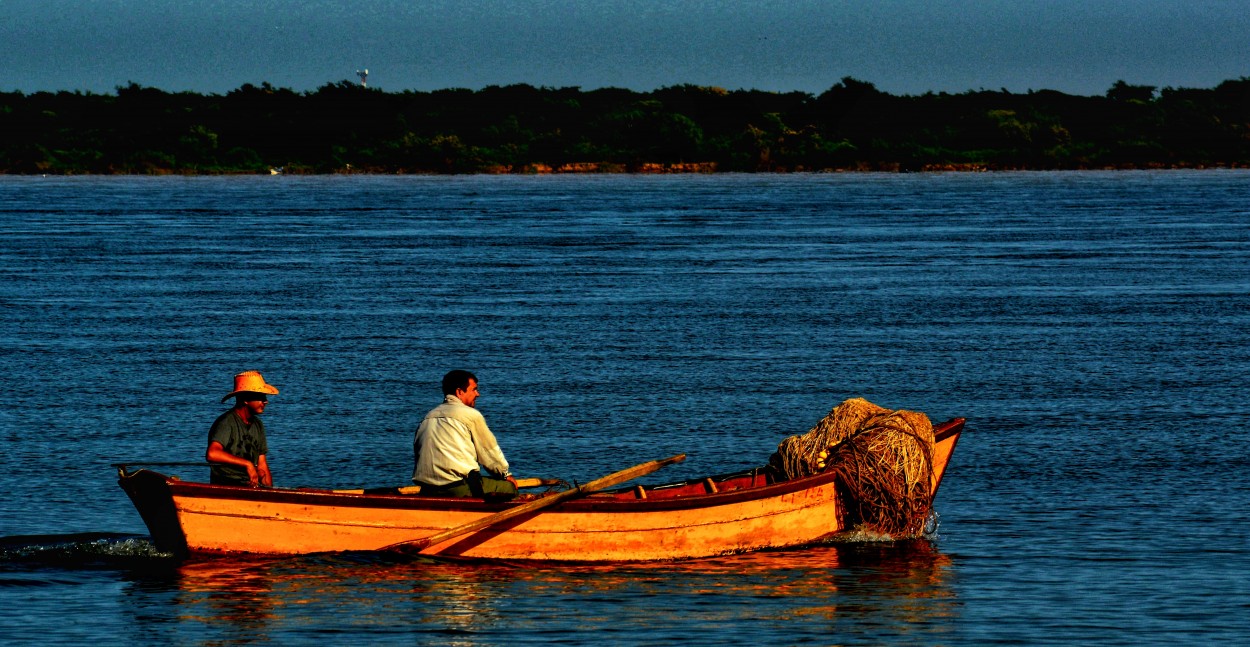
[[602, 502]]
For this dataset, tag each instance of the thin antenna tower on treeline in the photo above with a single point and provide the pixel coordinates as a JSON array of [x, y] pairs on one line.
[[363, 74]]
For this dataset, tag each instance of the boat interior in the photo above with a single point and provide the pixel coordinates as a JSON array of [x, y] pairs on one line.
[[743, 480]]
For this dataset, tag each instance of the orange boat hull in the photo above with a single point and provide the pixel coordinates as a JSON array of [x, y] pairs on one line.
[[731, 514]]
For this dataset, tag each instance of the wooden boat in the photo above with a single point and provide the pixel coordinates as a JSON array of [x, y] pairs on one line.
[[731, 513]]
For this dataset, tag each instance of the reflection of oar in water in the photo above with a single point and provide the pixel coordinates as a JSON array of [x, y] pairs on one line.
[[417, 545]]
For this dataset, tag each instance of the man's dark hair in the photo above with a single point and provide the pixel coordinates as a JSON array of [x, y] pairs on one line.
[[457, 380]]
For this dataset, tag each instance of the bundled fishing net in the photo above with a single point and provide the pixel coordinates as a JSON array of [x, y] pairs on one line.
[[884, 460]]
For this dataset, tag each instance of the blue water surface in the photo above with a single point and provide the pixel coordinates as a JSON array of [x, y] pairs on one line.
[[1092, 327]]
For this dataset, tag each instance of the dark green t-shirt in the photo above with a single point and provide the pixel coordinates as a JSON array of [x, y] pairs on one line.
[[244, 441]]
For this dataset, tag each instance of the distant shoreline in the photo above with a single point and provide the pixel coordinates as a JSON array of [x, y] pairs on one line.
[[520, 129], [587, 169]]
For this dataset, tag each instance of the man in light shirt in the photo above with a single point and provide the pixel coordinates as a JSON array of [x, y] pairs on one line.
[[456, 453]]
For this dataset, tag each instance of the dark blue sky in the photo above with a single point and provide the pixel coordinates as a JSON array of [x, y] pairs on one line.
[[903, 46]]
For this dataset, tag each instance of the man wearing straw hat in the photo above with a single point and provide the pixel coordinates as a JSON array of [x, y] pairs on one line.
[[236, 441], [453, 445]]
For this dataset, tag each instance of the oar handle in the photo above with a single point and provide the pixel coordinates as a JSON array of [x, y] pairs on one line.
[[163, 464], [122, 472]]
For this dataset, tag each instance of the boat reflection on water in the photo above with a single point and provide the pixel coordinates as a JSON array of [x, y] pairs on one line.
[[238, 595], [871, 586]]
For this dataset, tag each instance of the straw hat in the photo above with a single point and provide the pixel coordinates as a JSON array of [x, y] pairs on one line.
[[250, 382]]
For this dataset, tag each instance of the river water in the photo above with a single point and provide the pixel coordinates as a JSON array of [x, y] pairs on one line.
[[1092, 328]]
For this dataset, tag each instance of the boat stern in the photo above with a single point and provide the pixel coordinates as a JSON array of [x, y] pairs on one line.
[[149, 491]]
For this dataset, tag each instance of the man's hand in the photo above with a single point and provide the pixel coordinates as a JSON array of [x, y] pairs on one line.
[[262, 468], [512, 479], [255, 474]]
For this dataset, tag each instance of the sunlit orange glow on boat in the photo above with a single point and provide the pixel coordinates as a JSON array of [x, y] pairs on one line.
[[734, 514]]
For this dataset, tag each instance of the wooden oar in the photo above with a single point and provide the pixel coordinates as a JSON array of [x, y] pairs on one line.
[[416, 489], [417, 545]]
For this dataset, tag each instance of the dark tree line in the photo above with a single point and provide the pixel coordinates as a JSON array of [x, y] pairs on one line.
[[344, 127]]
